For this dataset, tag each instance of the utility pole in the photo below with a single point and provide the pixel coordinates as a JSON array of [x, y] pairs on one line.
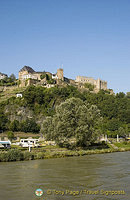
[[29, 148]]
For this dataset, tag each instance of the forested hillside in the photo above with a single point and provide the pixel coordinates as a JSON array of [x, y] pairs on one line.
[[27, 114]]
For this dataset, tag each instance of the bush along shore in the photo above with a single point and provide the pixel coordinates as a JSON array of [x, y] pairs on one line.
[[17, 154]]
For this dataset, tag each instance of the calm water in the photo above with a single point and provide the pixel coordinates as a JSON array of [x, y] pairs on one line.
[[19, 180]]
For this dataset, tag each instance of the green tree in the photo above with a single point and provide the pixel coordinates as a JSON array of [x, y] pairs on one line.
[[121, 132], [3, 121], [89, 86], [128, 95], [12, 77], [43, 75], [10, 135], [34, 95], [74, 119], [113, 124], [14, 125], [29, 125]]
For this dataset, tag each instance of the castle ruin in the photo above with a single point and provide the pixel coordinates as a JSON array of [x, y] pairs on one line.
[[99, 84], [28, 76]]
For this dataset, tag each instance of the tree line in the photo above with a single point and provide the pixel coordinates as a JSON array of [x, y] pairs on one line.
[[114, 109]]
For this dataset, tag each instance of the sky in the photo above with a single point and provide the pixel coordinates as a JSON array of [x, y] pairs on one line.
[[85, 37]]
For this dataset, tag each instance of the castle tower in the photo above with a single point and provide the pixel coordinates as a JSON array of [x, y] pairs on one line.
[[60, 74], [98, 85], [25, 72]]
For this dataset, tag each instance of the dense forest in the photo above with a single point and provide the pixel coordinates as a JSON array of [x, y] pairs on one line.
[[42, 103]]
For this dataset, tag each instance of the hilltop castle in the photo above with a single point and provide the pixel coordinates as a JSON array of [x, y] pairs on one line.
[[28, 76], [99, 84]]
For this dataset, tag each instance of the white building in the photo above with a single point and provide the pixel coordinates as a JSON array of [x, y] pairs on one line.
[[2, 76], [54, 76], [19, 95]]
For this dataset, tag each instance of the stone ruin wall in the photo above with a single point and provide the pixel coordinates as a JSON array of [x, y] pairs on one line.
[[103, 85], [60, 74], [99, 84]]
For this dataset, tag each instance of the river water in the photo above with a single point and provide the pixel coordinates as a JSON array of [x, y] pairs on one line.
[[68, 178]]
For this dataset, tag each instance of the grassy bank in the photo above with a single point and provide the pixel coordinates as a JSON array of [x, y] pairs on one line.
[[18, 154]]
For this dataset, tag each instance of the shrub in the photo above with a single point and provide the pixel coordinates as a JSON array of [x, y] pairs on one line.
[[14, 125], [29, 125], [11, 155], [89, 86], [10, 135], [40, 155], [28, 156]]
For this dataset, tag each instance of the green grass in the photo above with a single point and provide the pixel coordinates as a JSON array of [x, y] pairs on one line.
[[11, 92], [19, 153], [125, 145]]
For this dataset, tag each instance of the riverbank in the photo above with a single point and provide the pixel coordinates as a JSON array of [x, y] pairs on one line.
[[20, 154]]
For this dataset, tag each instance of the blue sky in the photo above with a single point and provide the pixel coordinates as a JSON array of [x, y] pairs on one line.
[[89, 37]]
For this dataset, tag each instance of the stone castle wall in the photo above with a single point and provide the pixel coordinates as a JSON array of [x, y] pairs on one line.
[[33, 76], [60, 74], [99, 84], [25, 75]]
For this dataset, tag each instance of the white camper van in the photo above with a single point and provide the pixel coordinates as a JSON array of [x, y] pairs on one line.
[[5, 144], [29, 143]]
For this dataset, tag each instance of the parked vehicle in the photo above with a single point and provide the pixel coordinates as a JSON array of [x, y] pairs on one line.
[[5, 144], [29, 143]]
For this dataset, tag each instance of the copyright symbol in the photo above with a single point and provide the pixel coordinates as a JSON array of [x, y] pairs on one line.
[[48, 192]]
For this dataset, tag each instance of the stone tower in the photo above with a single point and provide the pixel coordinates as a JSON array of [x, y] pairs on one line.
[[60, 74], [98, 85]]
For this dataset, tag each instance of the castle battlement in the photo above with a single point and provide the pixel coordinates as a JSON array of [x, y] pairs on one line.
[[99, 84], [28, 73]]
